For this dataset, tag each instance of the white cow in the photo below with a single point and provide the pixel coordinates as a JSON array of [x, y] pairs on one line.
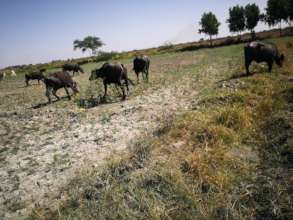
[[13, 73]]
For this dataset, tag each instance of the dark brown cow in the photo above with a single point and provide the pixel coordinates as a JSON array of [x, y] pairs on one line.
[[58, 80]]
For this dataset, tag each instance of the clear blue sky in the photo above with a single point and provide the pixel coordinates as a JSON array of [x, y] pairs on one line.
[[35, 31]]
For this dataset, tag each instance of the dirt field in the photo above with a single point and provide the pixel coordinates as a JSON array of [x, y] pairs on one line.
[[45, 145], [42, 147]]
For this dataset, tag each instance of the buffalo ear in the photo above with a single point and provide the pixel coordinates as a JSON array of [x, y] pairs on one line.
[[282, 57]]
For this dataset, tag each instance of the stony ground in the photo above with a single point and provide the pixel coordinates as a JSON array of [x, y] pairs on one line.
[[43, 146]]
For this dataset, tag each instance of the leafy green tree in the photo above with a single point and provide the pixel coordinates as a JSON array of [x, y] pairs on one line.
[[252, 17], [209, 25], [276, 12], [88, 43], [236, 19]]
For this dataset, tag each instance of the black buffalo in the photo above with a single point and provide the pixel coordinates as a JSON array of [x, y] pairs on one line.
[[34, 76], [262, 52], [75, 68], [2, 76], [58, 80], [112, 74], [141, 64]]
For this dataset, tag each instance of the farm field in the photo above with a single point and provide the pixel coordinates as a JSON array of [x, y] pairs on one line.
[[200, 140]]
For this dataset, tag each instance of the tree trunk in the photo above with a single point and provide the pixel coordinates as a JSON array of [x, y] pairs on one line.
[[211, 41], [290, 25], [251, 34], [280, 27], [239, 37]]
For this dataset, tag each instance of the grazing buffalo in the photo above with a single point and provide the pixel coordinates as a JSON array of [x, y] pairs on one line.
[[262, 52], [74, 67], [112, 73], [141, 64], [58, 80], [2, 76], [33, 76]]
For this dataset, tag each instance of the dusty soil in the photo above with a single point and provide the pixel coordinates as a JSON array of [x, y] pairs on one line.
[[42, 148]]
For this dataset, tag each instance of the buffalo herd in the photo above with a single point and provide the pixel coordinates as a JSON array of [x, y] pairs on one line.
[[116, 73]]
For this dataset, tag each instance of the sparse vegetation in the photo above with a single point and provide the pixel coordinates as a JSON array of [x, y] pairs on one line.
[[229, 156], [199, 141]]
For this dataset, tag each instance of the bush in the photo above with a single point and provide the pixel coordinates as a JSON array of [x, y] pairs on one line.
[[106, 56]]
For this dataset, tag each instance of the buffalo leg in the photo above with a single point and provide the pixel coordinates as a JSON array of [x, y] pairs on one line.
[[247, 64], [147, 75], [26, 82], [123, 91], [48, 89], [105, 87], [137, 76], [54, 93], [126, 84], [67, 92], [270, 64]]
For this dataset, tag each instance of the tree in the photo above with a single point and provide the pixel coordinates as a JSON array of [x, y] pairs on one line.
[[290, 11], [276, 12], [236, 19], [209, 25], [252, 17], [88, 43]]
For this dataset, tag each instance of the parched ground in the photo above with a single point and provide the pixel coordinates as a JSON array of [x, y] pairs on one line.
[[44, 146]]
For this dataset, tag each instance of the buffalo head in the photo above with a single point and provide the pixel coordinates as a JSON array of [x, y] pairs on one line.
[[95, 74], [80, 69], [75, 88]]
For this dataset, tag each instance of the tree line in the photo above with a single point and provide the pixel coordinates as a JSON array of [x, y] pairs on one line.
[[246, 18], [240, 19]]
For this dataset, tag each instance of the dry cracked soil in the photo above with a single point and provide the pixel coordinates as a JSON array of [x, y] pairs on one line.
[[43, 146]]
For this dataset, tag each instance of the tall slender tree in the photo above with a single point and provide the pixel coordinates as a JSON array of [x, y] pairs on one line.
[[236, 19], [209, 25], [91, 43], [276, 12], [252, 17]]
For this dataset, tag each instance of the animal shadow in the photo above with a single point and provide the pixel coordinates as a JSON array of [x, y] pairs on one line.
[[93, 102], [44, 104], [89, 102], [236, 76]]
